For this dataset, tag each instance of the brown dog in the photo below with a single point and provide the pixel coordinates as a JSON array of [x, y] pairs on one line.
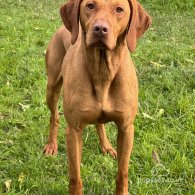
[[98, 77]]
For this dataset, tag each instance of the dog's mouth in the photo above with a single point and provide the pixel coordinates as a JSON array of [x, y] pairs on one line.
[[100, 43]]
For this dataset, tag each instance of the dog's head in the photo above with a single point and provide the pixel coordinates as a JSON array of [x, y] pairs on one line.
[[106, 22]]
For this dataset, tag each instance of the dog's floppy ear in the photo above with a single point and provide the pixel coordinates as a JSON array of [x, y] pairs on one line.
[[70, 17], [139, 23]]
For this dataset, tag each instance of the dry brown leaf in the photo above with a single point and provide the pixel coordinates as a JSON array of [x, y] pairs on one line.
[[155, 157]]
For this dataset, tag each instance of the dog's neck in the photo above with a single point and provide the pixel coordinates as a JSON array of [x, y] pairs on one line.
[[103, 65], [100, 65]]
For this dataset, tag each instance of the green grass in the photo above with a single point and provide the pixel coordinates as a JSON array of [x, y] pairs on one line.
[[163, 158]]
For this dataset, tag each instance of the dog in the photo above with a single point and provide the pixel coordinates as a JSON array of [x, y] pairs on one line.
[[89, 58]]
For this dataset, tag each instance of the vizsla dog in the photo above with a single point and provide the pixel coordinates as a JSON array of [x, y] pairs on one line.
[[90, 58]]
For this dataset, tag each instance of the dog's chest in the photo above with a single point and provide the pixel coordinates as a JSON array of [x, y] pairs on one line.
[[92, 111], [95, 105], [97, 99]]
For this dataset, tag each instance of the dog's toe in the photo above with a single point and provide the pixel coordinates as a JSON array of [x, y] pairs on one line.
[[107, 148], [50, 149], [112, 152]]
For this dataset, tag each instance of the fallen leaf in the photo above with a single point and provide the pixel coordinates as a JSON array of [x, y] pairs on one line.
[[160, 112], [155, 157], [7, 185], [21, 177], [158, 65], [145, 115], [37, 28], [24, 107]]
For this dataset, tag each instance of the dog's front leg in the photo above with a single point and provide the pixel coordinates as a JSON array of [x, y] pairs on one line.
[[124, 147], [74, 151]]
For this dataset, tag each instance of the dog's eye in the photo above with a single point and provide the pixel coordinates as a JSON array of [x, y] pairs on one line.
[[90, 6], [119, 10]]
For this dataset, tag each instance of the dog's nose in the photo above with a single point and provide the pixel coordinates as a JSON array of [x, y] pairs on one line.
[[101, 29]]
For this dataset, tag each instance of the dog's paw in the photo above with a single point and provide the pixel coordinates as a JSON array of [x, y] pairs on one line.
[[107, 148], [50, 149]]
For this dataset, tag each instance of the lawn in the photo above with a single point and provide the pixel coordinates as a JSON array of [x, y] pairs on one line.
[[163, 158]]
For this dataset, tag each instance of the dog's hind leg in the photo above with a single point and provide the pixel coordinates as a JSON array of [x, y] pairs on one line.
[[53, 92], [54, 58], [104, 142]]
